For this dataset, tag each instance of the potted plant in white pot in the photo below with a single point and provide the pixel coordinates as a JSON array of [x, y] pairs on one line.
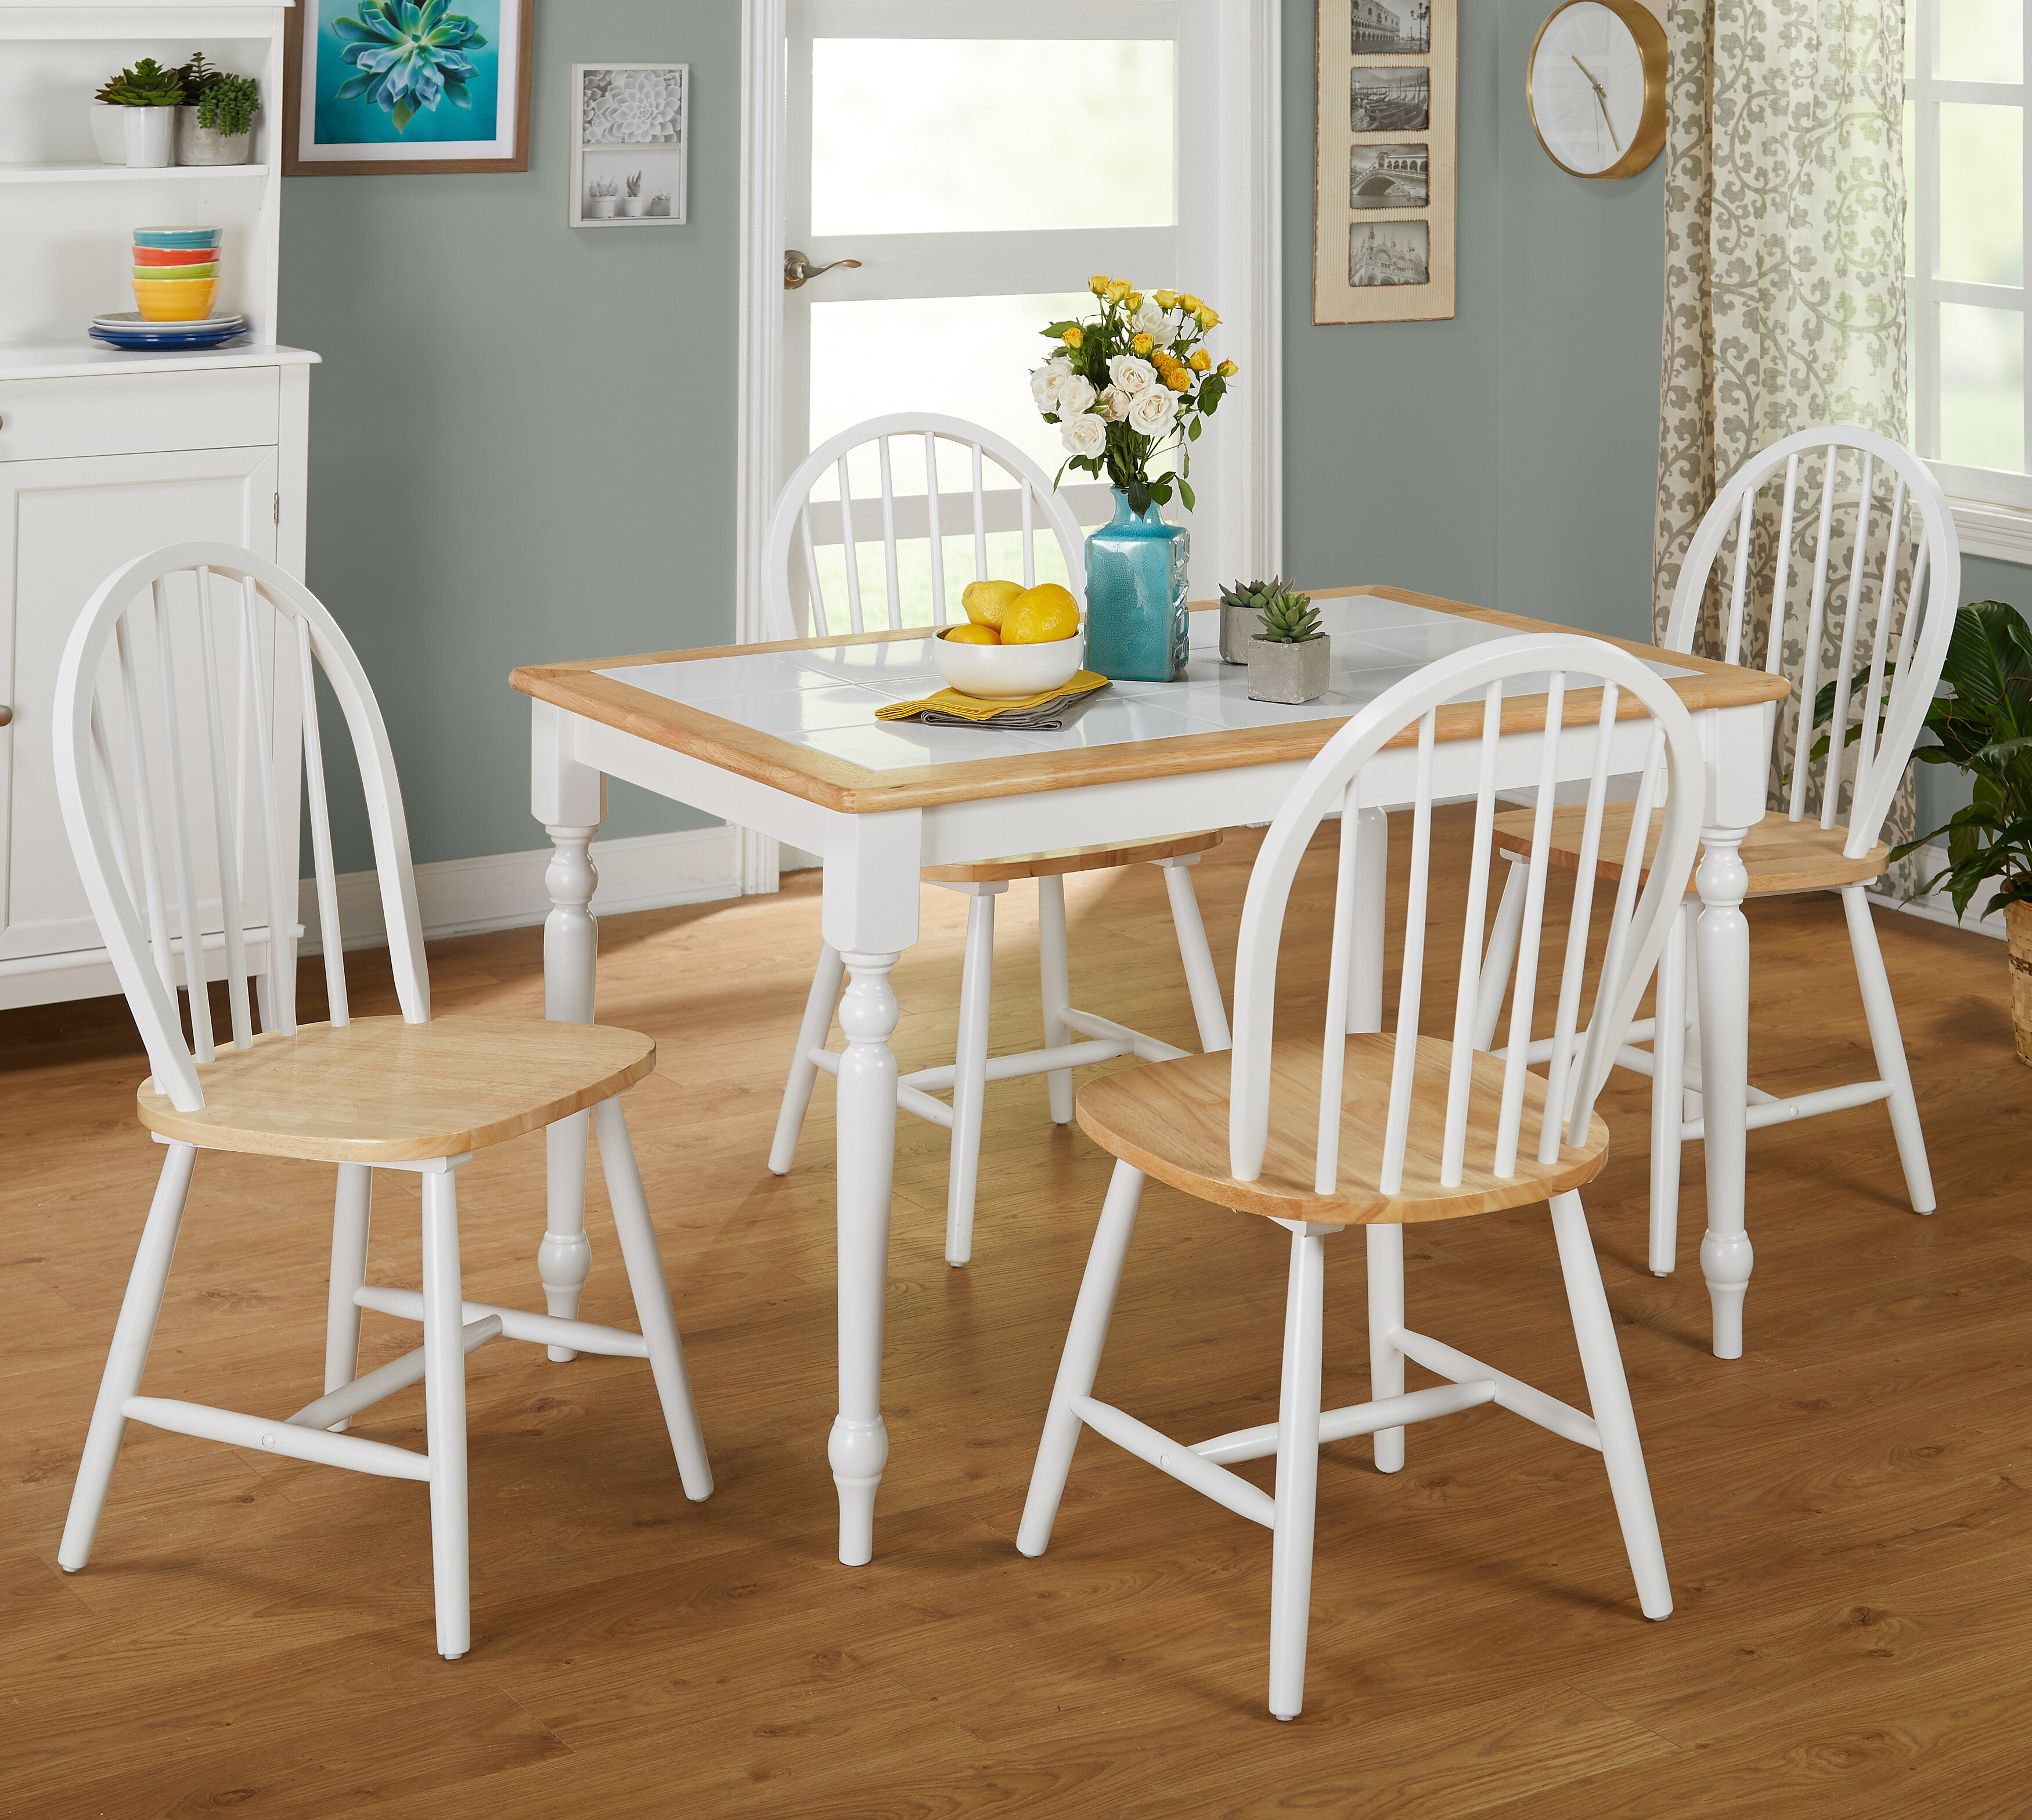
[[1291, 660], [215, 123], [600, 199], [1984, 725], [109, 125], [631, 204], [147, 96]]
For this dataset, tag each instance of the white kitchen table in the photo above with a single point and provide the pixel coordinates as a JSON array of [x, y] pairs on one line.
[[782, 738]]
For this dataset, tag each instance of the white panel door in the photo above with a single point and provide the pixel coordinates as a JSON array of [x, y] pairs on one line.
[[64, 526]]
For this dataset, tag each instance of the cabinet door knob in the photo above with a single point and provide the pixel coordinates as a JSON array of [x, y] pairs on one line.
[[7, 716]]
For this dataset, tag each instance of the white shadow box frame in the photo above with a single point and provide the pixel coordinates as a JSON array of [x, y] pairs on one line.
[[630, 121]]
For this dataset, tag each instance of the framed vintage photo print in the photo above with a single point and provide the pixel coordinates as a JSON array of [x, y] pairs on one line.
[[629, 137], [1384, 165], [386, 87]]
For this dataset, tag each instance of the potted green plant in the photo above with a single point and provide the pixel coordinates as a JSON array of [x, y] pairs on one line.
[[148, 96], [1241, 605], [1291, 660], [1984, 725], [215, 123]]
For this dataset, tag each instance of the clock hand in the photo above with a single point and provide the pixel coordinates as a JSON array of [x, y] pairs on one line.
[[1601, 101]]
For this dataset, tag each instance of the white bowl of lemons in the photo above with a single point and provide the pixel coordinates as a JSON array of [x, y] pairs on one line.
[[1017, 641]]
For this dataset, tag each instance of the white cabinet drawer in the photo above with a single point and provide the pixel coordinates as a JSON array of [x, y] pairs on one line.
[[139, 413]]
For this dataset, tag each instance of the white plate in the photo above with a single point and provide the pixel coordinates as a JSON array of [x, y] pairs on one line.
[[133, 322]]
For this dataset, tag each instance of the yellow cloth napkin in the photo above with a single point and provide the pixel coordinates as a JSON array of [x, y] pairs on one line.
[[1045, 712]]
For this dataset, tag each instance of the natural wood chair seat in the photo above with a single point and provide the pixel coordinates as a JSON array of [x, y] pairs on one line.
[[1060, 861], [384, 1090], [1170, 1120], [1780, 855]]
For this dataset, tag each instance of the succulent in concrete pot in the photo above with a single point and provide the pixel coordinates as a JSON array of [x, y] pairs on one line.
[[1241, 605], [1291, 660]]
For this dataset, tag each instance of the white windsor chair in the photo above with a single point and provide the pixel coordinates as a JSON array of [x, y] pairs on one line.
[[138, 774], [1031, 507], [1838, 850], [1288, 1129]]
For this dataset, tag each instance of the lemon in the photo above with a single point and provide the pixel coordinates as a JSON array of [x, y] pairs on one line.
[[986, 602], [1043, 615], [973, 635]]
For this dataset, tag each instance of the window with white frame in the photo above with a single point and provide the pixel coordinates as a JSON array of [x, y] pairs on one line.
[[1965, 150]]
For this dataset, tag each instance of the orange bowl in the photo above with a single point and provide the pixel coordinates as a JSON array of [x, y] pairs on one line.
[[168, 301]]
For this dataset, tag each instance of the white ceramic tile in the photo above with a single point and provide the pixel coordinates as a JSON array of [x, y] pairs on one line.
[[900, 745], [720, 679], [1112, 720], [789, 711], [901, 668]]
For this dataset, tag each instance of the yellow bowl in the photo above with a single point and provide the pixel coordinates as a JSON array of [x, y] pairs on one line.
[[168, 301]]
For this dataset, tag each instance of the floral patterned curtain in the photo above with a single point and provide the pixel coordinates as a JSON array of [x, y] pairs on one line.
[[1785, 285]]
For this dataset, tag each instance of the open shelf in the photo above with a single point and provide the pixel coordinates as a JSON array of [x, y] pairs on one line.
[[121, 172]]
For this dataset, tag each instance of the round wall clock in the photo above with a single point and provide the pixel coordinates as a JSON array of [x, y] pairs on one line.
[[1596, 87]]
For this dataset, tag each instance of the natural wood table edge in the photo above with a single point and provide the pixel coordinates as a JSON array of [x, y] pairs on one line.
[[576, 686]]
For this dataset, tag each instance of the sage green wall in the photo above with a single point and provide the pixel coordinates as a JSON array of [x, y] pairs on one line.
[[522, 440], [522, 436]]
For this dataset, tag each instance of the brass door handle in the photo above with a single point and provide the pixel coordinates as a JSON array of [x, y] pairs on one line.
[[6, 716], [798, 269]]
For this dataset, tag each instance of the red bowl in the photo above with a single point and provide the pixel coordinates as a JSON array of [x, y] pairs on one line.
[[175, 255]]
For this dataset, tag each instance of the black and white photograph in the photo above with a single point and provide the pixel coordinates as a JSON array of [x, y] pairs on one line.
[[1389, 252], [1389, 25], [628, 154], [1388, 176], [1389, 100]]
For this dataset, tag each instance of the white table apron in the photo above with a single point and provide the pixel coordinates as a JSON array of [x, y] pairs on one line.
[[870, 896]]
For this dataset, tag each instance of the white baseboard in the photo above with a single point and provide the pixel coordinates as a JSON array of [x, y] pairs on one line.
[[505, 890], [1935, 906]]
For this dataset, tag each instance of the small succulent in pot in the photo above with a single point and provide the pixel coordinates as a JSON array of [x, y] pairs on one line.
[[1241, 605], [149, 94], [146, 84], [215, 124], [631, 204], [600, 198], [660, 204], [1291, 660]]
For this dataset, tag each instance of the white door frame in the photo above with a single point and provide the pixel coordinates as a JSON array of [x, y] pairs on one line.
[[1243, 518]]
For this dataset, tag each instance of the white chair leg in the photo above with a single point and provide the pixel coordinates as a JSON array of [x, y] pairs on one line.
[[650, 1288], [1081, 1358], [976, 981], [1298, 1475], [1668, 1072], [1501, 954], [444, 1415], [1208, 1011], [1055, 978], [812, 1032], [1692, 1104], [349, 1215], [564, 1260], [1386, 1317], [1608, 1396], [1878, 1007], [131, 1333]]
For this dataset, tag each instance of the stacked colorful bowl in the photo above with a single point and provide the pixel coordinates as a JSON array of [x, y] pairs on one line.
[[176, 272]]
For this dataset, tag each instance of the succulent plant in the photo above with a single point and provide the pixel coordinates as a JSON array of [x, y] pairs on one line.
[[1288, 619], [635, 183], [228, 104], [409, 56], [1256, 594], [604, 186], [147, 84]]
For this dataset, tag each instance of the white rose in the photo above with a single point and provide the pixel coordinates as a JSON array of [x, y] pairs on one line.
[[1084, 434], [1152, 319], [1130, 374], [1115, 402], [1045, 380], [1151, 414], [1075, 394]]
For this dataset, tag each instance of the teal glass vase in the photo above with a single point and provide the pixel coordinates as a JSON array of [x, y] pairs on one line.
[[1136, 618]]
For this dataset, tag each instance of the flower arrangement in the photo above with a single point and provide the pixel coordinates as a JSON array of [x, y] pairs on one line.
[[409, 56], [1133, 383]]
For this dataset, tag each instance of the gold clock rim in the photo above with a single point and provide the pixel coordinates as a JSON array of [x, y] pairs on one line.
[[1650, 38]]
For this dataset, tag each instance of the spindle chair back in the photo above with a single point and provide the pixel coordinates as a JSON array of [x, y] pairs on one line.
[[178, 818], [793, 600], [1384, 1129], [1892, 618]]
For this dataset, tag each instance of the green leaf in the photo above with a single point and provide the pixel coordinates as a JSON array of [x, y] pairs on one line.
[[404, 112], [1193, 430], [1186, 493]]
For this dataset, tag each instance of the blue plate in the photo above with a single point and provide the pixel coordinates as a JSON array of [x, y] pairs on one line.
[[213, 338]]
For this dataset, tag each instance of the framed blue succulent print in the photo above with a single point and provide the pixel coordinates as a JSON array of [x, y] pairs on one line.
[[386, 86]]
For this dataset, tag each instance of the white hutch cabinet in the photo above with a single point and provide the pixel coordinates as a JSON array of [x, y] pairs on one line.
[[105, 455]]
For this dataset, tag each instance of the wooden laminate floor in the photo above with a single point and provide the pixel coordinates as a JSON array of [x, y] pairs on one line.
[[1846, 1510]]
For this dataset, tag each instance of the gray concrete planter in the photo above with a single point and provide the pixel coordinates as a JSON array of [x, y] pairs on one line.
[[1289, 672], [1238, 624], [197, 145]]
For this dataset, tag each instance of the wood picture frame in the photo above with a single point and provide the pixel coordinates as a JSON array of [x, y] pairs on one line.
[[1385, 160], [356, 136], [631, 125]]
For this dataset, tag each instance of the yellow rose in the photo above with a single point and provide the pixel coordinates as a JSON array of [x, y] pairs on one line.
[[1135, 300], [1072, 338], [1141, 345], [1118, 289], [1177, 379], [1191, 302], [1227, 369], [1166, 299], [1098, 284], [1199, 360], [1206, 318]]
